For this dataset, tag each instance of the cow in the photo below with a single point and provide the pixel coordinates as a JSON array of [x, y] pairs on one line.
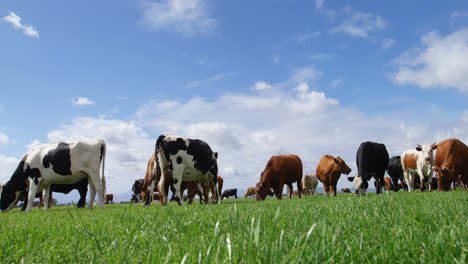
[[56, 163], [329, 171], [81, 186], [192, 190], [229, 192], [280, 170], [395, 172], [309, 184], [372, 161], [109, 198], [388, 185], [451, 164], [418, 161], [183, 159], [345, 190], [137, 190], [250, 192]]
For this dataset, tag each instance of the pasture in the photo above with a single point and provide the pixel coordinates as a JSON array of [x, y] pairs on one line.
[[394, 227]]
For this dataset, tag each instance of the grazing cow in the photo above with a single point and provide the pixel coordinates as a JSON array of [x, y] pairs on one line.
[[280, 170], [395, 172], [418, 161], [192, 190], [345, 190], [137, 190], [329, 171], [56, 163], [150, 179], [372, 161], [229, 192], [250, 192], [109, 198], [388, 184], [81, 186], [309, 184], [183, 159], [451, 164]]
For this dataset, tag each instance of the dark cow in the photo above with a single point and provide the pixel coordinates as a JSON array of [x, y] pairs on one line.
[[229, 192], [329, 171], [81, 187], [345, 190], [395, 171], [109, 198], [183, 159], [280, 170], [451, 164], [56, 163], [136, 189], [372, 161]]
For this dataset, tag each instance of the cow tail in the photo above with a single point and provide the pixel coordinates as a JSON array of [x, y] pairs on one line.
[[164, 166], [103, 157]]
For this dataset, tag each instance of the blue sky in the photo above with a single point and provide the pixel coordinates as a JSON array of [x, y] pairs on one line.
[[252, 78]]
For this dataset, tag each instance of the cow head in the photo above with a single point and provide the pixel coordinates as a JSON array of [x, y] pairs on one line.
[[427, 150], [360, 184], [444, 178], [8, 197], [342, 167], [261, 191]]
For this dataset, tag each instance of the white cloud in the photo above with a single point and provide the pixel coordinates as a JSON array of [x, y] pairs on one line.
[[301, 37], [388, 43], [33, 144], [319, 4], [15, 21], [306, 74], [189, 17], [321, 56], [360, 24], [276, 59], [82, 101], [441, 63], [457, 14], [261, 85], [213, 78], [337, 82], [8, 165], [5, 140], [464, 117]]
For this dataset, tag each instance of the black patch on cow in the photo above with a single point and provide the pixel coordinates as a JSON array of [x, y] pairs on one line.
[[16, 183], [33, 173], [176, 181], [102, 151], [202, 155], [179, 160], [59, 158]]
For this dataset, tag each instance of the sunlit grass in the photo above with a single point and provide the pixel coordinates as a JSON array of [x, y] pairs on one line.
[[394, 227]]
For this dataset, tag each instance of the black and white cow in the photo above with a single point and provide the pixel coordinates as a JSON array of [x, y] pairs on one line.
[[56, 163], [136, 189], [395, 172], [371, 161], [183, 159], [81, 186]]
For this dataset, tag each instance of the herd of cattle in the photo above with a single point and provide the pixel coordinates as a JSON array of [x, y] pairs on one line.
[[183, 164]]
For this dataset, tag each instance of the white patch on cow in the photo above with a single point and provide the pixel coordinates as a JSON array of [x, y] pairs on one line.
[[359, 185], [424, 165]]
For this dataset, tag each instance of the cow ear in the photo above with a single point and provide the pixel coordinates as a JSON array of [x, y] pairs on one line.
[[351, 179], [434, 146], [216, 155], [418, 148], [336, 160]]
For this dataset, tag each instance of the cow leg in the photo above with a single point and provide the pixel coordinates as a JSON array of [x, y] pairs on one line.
[[41, 201], [334, 189], [279, 193], [46, 194], [421, 178], [326, 188], [150, 191], [92, 194], [99, 188], [82, 201], [299, 187], [409, 180], [290, 190], [31, 195]]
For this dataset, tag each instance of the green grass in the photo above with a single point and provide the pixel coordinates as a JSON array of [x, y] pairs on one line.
[[391, 228]]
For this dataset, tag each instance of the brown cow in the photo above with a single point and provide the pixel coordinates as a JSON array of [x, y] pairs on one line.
[[329, 171], [192, 190], [345, 190], [388, 184], [146, 182], [250, 192], [451, 163], [280, 170], [109, 198]]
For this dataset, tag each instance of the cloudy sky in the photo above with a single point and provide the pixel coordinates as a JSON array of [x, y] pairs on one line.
[[251, 78]]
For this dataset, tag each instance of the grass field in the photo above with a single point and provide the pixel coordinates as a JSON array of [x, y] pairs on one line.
[[395, 227]]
